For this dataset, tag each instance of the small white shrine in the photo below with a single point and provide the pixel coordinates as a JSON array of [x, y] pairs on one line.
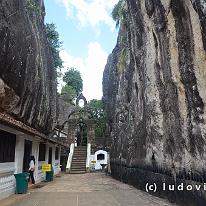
[[99, 159]]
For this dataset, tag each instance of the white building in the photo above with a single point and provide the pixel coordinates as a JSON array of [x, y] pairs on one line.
[[99, 159], [17, 143]]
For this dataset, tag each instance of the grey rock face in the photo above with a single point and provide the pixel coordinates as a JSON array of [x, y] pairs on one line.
[[64, 109], [26, 66], [156, 106]]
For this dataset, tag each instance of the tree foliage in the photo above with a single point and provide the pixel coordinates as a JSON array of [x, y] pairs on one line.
[[55, 44], [119, 13], [68, 93], [98, 114], [74, 83]]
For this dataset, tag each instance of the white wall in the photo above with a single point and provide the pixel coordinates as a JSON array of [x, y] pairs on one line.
[[7, 170], [7, 179], [99, 162], [40, 175]]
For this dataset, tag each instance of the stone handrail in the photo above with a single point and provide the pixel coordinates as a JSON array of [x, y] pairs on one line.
[[88, 156], [69, 161]]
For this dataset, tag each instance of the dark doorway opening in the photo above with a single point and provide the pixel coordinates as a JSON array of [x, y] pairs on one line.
[[100, 157], [50, 155], [27, 154], [7, 146], [81, 133]]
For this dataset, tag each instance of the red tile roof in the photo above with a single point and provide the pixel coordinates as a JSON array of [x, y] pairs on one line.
[[10, 121]]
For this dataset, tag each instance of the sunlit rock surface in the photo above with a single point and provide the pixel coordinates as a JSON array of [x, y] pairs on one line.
[[156, 107], [28, 78]]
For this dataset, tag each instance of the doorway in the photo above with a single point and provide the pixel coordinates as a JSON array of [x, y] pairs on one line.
[[81, 134], [50, 156], [27, 154]]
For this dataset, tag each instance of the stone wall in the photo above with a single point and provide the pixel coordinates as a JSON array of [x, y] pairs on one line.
[[156, 106], [27, 75]]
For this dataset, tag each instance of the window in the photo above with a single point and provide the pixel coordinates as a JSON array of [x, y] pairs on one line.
[[100, 157], [57, 153], [7, 146], [42, 152]]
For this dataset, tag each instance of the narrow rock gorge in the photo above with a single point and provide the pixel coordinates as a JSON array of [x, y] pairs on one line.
[[155, 105], [27, 75]]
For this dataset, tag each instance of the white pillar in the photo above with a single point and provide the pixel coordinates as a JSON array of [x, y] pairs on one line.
[[88, 156], [19, 154], [35, 153]]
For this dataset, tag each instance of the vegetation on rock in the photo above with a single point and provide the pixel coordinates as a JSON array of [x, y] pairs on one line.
[[33, 6], [55, 44], [120, 15]]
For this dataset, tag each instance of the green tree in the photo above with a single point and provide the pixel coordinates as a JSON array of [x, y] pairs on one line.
[[68, 93], [55, 45], [73, 79], [98, 114], [120, 13]]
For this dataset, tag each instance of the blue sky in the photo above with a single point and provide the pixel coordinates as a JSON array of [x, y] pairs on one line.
[[88, 34]]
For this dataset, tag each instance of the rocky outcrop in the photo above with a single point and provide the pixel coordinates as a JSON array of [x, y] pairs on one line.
[[64, 109], [156, 107], [27, 75]]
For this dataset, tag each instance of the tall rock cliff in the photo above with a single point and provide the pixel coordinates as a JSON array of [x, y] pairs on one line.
[[156, 105], [27, 75]]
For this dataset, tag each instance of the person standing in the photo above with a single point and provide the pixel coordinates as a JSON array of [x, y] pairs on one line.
[[32, 169]]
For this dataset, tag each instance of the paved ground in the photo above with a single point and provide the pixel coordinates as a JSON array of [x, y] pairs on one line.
[[88, 190]]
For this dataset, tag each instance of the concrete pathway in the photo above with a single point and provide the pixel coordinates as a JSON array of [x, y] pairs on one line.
[[94, 189]]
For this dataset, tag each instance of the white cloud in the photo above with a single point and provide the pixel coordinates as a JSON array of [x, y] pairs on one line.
[[91, 69], [90, 12]]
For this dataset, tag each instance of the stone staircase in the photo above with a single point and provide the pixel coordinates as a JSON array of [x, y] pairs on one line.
[[78, 165]]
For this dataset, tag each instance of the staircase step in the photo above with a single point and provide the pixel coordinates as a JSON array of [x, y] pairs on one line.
[[79, 155], [77, 172], [81, 152], [78, 163], [83, 155], [78, 168], [84, 151], [77, 148], [79, 160]]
